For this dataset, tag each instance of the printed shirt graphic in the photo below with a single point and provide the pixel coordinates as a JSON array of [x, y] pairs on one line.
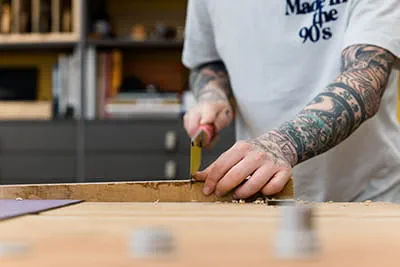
[[280, 54], [323, 13]]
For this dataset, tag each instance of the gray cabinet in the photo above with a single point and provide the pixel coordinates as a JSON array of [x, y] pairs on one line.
[[37, 152], [23, 136], [33, 168], [143, 150], [126, 150]]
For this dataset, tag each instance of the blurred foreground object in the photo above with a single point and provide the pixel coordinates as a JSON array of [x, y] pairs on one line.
[[152, 242], [297, 237], [13, 249]]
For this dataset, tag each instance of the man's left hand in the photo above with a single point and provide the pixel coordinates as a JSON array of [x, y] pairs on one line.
[[260, 161]]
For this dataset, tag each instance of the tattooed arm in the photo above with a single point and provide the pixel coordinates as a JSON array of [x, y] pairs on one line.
[[212, 89], [331, 117], [211, 82], [340, 109]]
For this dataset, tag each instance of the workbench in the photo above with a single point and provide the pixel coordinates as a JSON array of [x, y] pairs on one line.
[[212, 233]]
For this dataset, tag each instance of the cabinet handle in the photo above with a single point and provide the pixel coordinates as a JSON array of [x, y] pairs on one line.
[[170, 170], [170, 141]]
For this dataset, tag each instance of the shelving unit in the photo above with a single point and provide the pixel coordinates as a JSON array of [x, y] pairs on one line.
[[127, 43], [37, 148], [85, 147]]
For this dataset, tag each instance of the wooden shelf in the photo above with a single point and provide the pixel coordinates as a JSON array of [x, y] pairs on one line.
[[128, 43], [38, 41], [25, 110]]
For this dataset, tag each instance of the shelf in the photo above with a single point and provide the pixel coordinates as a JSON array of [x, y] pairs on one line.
[[38, 41], [127, 43], [25, 110]]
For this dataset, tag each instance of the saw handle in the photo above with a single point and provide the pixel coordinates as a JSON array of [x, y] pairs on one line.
[[209, 130]]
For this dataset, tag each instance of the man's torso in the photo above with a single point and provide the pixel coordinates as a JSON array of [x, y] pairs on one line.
[[280, 55]]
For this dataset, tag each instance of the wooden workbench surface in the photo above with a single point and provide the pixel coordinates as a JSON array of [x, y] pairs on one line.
[[207, 234]]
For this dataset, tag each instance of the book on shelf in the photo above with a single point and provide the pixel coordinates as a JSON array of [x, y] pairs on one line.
[[129, 105], [109, 78], [106, 99], [65, 87]]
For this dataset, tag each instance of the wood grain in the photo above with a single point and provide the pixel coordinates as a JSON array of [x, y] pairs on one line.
[[205, 234], [172, 191]]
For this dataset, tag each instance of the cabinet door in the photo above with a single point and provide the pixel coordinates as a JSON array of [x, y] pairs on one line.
[[37, 136], [144, 136], [226, 140], [37, 168], [133, 167]]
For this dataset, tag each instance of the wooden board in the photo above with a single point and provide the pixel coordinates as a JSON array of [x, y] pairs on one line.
[[173, 191], [206, 234]]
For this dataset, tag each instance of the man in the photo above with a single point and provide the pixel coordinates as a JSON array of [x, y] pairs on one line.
[[312, 85]]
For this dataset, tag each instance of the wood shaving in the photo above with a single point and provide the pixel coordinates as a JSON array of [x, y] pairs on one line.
[[242, 201], [366, 203], [259, 201], [235, 201]]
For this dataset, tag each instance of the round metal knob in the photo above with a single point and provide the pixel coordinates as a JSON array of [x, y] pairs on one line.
[[170, 141], [170, 170]]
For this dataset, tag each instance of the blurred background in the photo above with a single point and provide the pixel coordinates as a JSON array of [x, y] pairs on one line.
[[94, 91]]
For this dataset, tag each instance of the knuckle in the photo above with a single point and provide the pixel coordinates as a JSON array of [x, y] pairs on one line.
[[260, 156], [242, 145], [289, 172], [223, 155]]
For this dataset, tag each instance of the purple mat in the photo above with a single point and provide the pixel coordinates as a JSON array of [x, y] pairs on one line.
[[14, 208]]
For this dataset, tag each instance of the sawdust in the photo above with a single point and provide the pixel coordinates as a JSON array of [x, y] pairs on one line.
[[259, 201], [366, 203]]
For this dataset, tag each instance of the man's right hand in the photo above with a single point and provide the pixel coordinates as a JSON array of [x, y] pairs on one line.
[[218, 113], [212, 90]]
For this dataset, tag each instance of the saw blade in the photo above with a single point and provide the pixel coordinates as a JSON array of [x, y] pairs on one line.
[[195, 158]]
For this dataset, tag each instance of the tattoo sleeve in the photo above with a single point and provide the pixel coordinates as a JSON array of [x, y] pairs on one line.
[[340, 109], [210, 82]]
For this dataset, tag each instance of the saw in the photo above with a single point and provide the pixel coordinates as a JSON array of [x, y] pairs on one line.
[[203, 138]]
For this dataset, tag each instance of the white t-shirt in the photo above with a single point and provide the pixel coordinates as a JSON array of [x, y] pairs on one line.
[[280, 55]]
